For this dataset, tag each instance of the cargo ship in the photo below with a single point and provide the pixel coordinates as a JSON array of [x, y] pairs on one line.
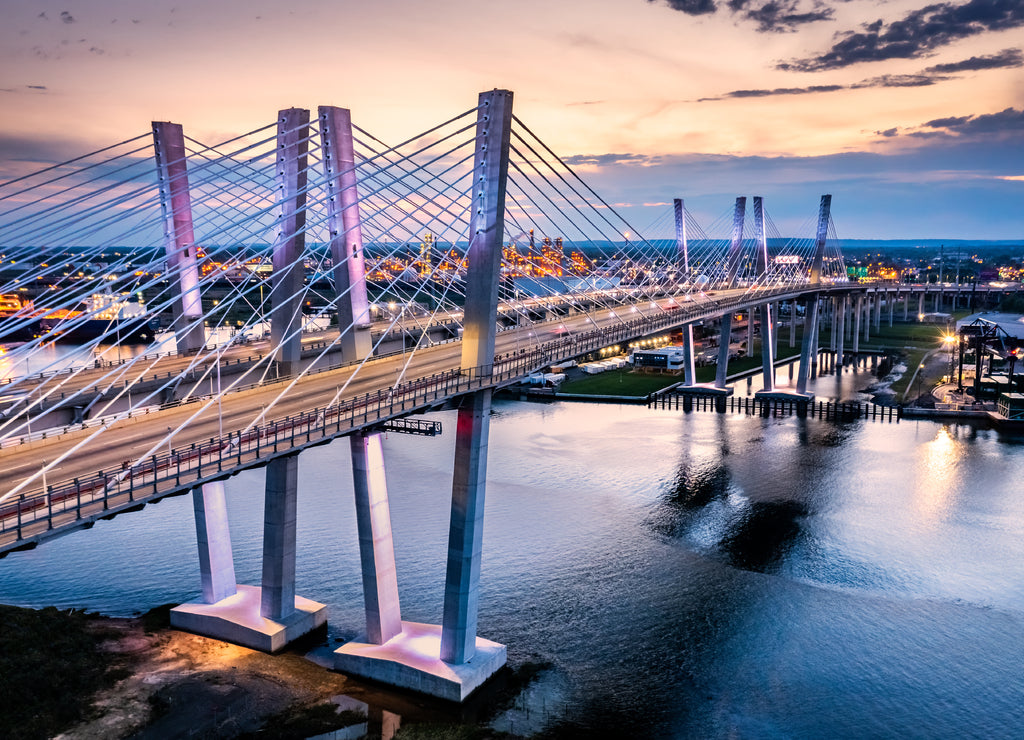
[[18, 319]]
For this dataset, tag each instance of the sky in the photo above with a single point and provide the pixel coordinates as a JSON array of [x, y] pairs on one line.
[[910, 113]]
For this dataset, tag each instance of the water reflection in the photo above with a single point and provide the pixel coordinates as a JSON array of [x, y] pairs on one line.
[[625, 552]]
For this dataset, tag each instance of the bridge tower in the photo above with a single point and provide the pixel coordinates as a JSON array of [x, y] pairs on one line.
[[270, 616], [373, 512], [809, 344], [683, 253], [458, 661], [288, 275], [765, 309], [179, 236], [732, 266]]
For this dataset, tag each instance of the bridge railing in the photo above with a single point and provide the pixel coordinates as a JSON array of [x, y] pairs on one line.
[[182, 468]]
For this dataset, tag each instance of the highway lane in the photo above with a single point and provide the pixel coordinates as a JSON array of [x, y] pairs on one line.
[[128, 440]]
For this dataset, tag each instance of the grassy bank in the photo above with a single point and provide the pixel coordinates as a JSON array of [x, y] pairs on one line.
[[50, 668], [626, 382]]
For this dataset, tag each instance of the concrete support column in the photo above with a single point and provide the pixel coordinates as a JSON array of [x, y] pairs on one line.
[[775, 328], [722, 370], [857, 313], [465, 534], [890, 300], [289, 273], [815, 340], [750, 332], [376, 546], [834, 323], [878, 311], [689, 371], [277, 599], [179, 237], [216, 564], [920, 305], [867, 323], [841, 333], [808, 346], [906, 306], [767, 347], [792, 323]]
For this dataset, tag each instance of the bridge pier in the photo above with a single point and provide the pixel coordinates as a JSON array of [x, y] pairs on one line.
[[857, 313], [448, 661], [840, 334], [216, 562], [265, 617]]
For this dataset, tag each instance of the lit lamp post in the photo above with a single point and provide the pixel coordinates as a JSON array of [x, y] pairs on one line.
[[949, 340]]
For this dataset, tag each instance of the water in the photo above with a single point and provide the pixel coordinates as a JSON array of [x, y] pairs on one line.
[[683, 576]]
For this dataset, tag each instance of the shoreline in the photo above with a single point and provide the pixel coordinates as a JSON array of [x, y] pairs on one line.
[[155, 682]]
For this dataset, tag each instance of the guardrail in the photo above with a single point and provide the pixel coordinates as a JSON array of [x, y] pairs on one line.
[[67, 503]]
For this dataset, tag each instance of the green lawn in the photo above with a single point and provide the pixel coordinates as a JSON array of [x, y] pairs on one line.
[[625, 382]]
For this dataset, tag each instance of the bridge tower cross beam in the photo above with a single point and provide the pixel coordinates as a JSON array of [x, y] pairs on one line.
[[288, 275], [179, 236], [465, 537]]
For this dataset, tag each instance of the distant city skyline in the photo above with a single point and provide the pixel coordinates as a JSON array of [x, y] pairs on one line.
[[911, 113]]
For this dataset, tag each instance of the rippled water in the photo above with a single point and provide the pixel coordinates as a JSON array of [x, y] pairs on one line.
[[694, 575]]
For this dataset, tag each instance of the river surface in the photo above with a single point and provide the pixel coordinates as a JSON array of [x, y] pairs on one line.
[[680, 575]]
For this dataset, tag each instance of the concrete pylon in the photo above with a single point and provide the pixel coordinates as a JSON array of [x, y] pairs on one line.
[[376, 547], [735, 254], [289, 272], [345, 225], [682, 246], [820, 239], [179, 236], [808, 346], [840, 333], [689, 371], [725, 336], [767, 347], [858, 311], [373, 509], [279, 524], [216, 563], [462, 580]]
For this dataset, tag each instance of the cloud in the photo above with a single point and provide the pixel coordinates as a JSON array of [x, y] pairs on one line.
[[1005, 59], [769, 15], [887, 133], [780, 15], [36, 87], [1008, 122], [604, 160], [691, 7], [66, 17], [918, 80], [913, 36]]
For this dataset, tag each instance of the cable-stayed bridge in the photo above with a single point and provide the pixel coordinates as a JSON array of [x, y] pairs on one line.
[[232, 304]]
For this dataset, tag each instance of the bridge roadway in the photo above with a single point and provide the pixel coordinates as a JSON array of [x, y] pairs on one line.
[[82, 386], [98, 471]]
